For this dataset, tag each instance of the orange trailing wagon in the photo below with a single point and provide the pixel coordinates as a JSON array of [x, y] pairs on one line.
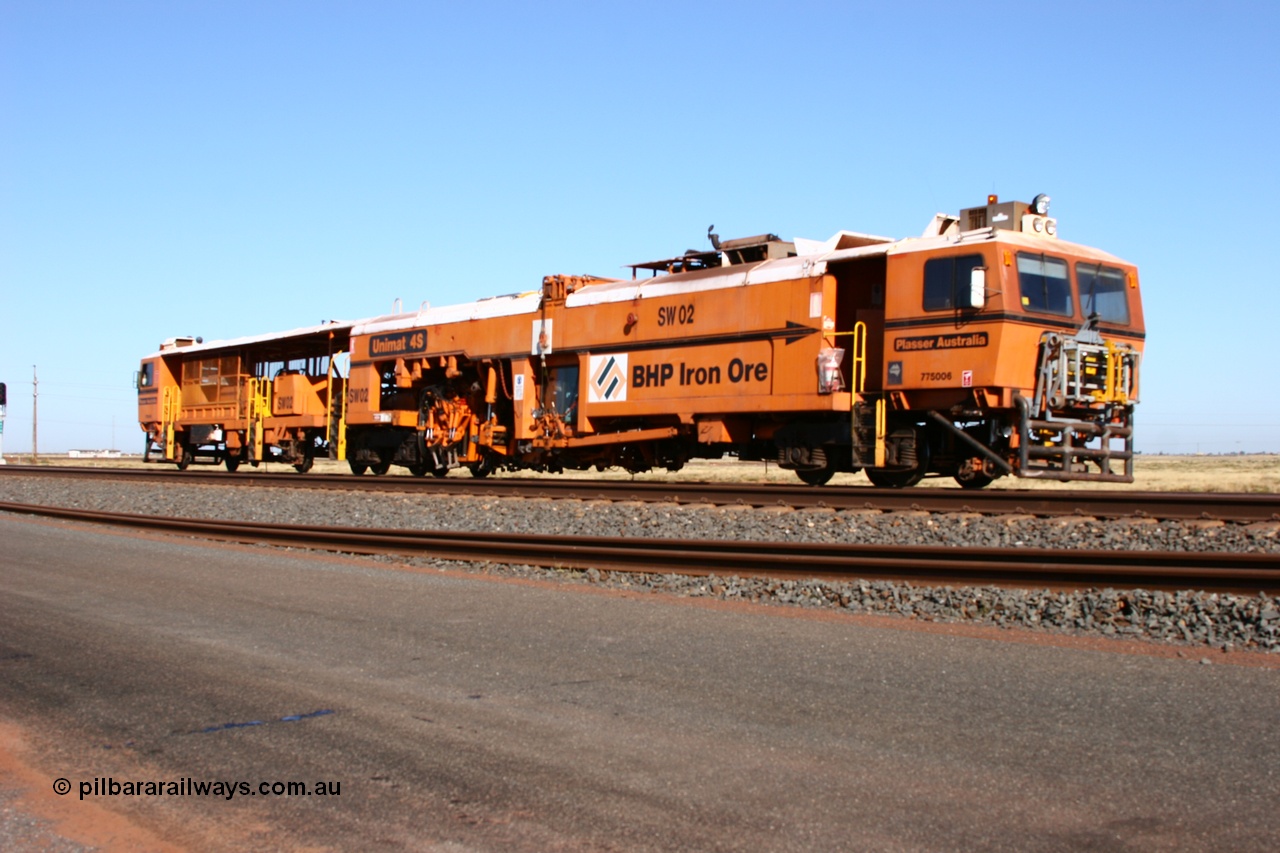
[[988, 346], [267, 398]]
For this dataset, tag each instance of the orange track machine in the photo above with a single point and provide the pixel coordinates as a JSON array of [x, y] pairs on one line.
[[987, 346]]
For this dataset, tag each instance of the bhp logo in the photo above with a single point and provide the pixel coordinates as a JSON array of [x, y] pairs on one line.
[[608, 379]]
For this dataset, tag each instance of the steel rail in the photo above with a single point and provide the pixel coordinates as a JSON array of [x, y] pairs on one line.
[[1019, 567], [1237, 507]]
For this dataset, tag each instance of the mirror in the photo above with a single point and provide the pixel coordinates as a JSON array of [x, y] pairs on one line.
[[977, 296]]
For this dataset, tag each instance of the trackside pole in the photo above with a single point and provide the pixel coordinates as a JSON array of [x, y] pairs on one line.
[[4, 393]]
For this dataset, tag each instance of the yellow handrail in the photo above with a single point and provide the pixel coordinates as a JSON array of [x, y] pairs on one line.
[[859, 334], [881, 431], [1113, 390], [259, 391], [336, 443], [859, 356], [170, 405]]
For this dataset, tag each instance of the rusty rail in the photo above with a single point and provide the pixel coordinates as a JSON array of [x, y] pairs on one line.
[[1017, 567], [1238, 507]]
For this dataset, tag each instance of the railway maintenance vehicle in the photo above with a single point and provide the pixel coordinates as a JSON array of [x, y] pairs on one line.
[[988, 346]]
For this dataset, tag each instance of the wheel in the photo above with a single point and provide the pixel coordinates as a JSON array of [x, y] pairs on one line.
[[305, 465], [380, 468], [232, 463], [358, 468], [817, 476], [894, 479], [975, 481], [184, 458], [902, 478], [439, 472], [978, 472], [418, 469], [484, 468]]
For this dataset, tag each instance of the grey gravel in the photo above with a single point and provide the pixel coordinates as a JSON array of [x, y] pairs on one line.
[[1191, 618]]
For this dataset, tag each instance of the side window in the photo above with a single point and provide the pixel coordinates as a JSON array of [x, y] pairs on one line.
[[1102, 292], [944, 278], [145, 376], [1044, 285], [564, 391]]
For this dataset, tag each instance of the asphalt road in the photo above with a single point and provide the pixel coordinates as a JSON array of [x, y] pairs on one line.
[[467, 713]]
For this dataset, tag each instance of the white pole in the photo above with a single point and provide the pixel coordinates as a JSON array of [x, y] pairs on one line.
[[35, 412]]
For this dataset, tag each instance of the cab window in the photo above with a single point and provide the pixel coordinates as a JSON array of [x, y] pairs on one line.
[[145, 375], [1102, 292], [946, 279], [1043, 283]]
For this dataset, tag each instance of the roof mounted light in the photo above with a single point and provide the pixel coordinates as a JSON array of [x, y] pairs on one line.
[[1040, 205]]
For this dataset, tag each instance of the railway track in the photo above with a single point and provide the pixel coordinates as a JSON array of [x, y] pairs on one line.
[[1235, 507], [925, 565]]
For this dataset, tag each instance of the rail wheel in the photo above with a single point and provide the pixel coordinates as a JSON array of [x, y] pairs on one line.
[[185, 456], [894, 479], [482, 468], [902, 478], [419, 469], [817, 476], [974, 481], [358, 468], [305, 465], [380, 468], [232, 463]]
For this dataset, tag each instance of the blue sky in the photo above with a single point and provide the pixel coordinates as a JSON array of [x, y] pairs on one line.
[[232, 168]]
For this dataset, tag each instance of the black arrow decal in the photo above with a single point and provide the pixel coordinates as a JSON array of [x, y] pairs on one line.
[[795, 332]]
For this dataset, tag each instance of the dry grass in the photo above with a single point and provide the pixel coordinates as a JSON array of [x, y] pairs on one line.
[[1255, 473]]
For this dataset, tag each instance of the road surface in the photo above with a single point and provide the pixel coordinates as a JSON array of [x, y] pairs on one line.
[[442, 710]]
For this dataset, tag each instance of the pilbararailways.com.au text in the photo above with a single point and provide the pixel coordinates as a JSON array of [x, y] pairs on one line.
[[188, 787]]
